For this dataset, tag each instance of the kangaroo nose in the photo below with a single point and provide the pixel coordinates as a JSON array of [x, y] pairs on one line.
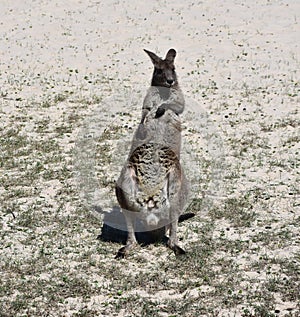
[[170, 81]]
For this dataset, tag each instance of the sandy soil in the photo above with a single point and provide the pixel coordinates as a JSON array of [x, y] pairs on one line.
[[72, 79]]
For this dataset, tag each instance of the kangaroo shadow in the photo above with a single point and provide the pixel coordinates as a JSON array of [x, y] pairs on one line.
[[114, 229]]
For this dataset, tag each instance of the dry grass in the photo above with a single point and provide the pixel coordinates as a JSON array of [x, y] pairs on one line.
[[243, 255]]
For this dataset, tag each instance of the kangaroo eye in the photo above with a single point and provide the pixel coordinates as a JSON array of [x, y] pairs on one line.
[[158, 71]]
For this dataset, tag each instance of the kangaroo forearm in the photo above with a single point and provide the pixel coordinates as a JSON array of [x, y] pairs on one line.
[[144, 114], [175, 107]]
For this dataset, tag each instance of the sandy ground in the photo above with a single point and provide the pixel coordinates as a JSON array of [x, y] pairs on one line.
[[72, 79]]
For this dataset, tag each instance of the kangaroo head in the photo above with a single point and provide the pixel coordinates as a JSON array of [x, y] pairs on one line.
[[164, 74]]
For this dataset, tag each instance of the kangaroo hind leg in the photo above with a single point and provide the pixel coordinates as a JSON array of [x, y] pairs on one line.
[[131, 239], [126, 190]]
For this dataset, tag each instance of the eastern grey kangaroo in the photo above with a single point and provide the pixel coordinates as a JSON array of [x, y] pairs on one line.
[[152, 185]]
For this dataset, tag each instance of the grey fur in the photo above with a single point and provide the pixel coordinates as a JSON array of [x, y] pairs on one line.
[[152, 185]]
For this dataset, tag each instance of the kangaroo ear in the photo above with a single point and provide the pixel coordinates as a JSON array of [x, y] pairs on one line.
[[170, 56], [154, 58]]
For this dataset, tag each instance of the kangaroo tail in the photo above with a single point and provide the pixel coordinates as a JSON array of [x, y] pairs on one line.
[[186, 216]]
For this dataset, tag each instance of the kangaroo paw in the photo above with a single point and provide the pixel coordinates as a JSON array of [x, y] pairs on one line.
[[159, 112]]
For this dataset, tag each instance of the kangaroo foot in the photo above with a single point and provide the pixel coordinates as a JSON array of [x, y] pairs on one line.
[[186, 216], [178, 250], [175, 248], [124, 251], [121, 253]]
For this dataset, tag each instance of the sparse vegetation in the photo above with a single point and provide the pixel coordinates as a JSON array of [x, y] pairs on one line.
[[78, 109]]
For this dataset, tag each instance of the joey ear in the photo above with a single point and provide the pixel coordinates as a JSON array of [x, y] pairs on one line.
[[170, 55], [154, 58]]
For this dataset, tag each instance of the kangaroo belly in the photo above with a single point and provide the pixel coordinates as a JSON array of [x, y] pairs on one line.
[[152, 164], [145, 183]]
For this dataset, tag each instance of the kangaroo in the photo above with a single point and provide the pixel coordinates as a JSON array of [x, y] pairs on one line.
[[152, 185]]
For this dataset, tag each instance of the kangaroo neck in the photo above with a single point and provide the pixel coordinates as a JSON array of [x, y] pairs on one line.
[[164, 92]]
